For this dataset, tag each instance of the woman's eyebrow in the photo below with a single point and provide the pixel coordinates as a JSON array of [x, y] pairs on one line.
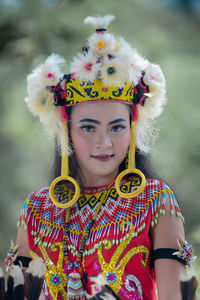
[[117, 121], [89, 120]]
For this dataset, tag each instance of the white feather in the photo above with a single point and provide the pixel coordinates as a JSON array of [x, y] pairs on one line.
[[186, 276], [39, 99], [154, 76], [37, 267], [79, 67], [17, 275], [155, 79], [108, 44], [47, 73], [96, 287], [1, 273], [99, 22], [119, 77]]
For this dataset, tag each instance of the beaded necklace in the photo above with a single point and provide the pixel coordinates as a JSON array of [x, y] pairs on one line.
[[75, 290]]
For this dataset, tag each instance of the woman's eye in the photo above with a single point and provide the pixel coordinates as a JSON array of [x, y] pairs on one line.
[[87, 128], [117, 128]]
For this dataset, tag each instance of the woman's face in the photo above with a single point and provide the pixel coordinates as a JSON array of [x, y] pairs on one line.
[[100, 135]]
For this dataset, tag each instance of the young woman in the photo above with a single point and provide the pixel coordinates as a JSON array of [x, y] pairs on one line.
[[105, 222]]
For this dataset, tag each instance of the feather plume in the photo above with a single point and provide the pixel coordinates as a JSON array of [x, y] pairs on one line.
[[37, 267], [146, 131], [39, 99], [9, 292], [189, 285], [85, 67], [99, 22], [101, 290], [154, 78], [34, 279], [17, 275], [135, 63], [15, 284], [2, 285], [102, 44], [114, 72]]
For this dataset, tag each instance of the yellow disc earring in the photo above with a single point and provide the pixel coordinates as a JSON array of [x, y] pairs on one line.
[[64, 176], [131, 168]]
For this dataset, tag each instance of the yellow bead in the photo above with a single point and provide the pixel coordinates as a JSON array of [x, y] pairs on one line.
[[100, 44], [117, 48]]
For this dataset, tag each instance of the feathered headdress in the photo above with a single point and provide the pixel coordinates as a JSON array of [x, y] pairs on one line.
[[107, 69]]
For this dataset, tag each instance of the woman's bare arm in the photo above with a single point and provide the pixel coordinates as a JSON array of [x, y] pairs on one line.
[[168, 271], [22, 242]]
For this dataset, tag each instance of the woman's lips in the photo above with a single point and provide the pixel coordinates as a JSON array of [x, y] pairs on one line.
[[103, 157]]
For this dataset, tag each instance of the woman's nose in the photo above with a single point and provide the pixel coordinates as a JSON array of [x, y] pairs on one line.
[[104, 140]]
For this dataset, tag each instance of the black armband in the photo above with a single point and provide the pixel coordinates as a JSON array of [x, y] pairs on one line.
[[183, 254], [22, 261], [166, 253]]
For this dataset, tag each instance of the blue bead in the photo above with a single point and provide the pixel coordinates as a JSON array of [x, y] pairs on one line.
[[71, 265], [56, 279]]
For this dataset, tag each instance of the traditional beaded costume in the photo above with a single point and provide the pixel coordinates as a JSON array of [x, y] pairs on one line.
[[119, 246]]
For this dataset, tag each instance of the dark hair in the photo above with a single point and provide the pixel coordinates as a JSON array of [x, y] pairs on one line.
[[142, 161]]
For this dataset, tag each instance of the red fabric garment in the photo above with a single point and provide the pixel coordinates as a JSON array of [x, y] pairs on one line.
[[119, 245]]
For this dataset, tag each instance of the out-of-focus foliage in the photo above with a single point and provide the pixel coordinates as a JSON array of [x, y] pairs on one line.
[[31, 30]]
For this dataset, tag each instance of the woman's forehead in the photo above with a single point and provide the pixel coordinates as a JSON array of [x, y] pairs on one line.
[[102, 109]]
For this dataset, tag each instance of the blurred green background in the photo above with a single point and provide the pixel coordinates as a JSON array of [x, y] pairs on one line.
[[166, 32]]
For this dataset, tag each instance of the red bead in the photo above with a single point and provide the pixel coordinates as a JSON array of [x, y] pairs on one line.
[[50, 75], [88, 67]]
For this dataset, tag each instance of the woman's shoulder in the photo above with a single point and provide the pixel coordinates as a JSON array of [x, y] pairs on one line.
[[42, 220], [37, 198], [41, 198], [158, 185], [162, 199], [152, 187], [39, 206], [155, 198]]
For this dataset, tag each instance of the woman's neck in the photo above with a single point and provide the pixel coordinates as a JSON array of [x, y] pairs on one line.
[[90, 180]]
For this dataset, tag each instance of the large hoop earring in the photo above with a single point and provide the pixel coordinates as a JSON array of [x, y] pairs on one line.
[[137, 191], [64, 176], [52, 191], [131, 169]]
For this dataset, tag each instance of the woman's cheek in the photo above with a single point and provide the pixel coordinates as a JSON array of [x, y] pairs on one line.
[[81, 143], [123, 140]]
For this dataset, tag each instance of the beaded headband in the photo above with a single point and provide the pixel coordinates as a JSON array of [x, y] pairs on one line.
[[108, 69]]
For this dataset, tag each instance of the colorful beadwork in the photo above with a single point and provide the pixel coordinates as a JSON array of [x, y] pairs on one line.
[[75, 287], [118, 240], [185, 252], [11, 256]]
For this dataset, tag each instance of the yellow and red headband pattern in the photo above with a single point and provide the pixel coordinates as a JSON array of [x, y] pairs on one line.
[[70, 91], [81, 92]]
